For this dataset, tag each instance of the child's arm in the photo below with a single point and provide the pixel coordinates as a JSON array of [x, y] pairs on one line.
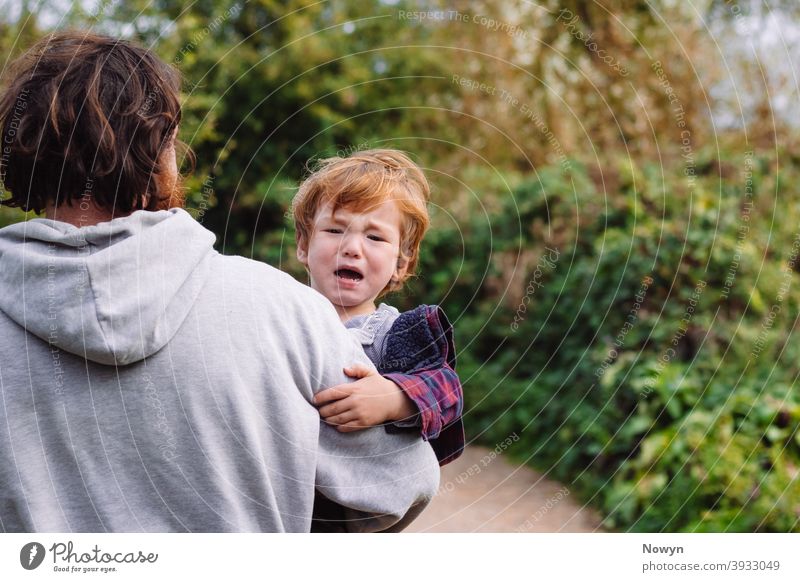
[[430, 400], [370, 401], [420, 387]]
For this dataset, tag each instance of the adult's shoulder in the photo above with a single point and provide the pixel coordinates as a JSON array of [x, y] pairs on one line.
[[272, 287], [256, 273]]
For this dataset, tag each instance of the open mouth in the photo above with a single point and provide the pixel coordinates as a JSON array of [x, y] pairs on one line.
[[349, 274]]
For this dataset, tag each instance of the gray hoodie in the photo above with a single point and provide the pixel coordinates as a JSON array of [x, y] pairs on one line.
[[148, 383]]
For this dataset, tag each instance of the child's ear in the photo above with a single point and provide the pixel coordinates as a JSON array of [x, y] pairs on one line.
[[402, 268], [302, 249]]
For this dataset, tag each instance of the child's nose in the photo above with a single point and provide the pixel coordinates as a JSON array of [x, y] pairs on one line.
[[351, 246]]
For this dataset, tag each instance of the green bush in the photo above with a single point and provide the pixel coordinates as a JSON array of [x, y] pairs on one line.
[[683, 419]]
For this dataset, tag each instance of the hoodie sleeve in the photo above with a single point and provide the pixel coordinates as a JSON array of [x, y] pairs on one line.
[[382, 480]]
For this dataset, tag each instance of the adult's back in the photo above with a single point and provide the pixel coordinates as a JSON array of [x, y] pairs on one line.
[[191, 408]]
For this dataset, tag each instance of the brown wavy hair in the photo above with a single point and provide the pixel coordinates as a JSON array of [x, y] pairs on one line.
[[86, 114]]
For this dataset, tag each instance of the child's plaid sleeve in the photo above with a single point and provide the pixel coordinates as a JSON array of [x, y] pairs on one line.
[[420, 359]]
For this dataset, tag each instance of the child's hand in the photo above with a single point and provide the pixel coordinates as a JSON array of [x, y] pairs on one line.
[[370, 401]]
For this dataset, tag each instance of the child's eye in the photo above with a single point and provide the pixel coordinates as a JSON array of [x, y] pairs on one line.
[[333, 230], [375, 237]]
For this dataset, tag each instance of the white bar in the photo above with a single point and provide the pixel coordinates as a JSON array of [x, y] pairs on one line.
[[410, 558]]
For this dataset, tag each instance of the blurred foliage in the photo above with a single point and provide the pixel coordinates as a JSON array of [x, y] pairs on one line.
[[672, 411], [689, 421]]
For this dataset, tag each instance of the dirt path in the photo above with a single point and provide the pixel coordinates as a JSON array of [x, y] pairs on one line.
[[480, 495]]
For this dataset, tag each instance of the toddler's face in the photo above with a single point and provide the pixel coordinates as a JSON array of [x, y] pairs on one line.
[[352, 256]]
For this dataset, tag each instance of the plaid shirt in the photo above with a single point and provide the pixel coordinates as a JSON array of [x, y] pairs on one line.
[[415, 350]]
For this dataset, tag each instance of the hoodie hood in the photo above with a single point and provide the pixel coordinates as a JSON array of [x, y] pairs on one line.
[[114, 293]]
